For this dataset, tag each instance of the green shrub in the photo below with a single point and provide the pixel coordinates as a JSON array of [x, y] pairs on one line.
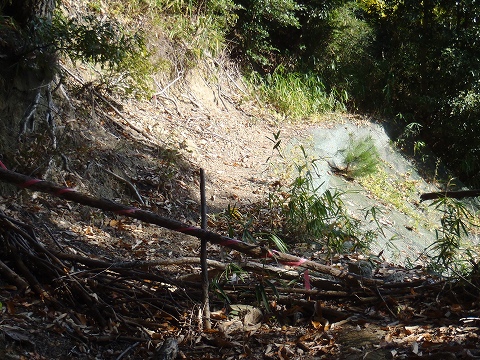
[[121, 54], [360, 157]]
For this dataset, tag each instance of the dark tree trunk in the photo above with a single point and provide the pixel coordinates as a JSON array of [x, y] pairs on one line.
[[26, 69], [24, 12]]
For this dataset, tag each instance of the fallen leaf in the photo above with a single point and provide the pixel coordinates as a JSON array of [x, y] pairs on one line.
[[16, 333], [10, 307]]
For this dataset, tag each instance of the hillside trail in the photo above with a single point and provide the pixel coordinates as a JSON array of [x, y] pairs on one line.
[[157, 147], [217, 130], [232, 139]]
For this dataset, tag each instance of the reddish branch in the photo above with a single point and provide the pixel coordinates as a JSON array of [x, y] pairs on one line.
[[24, 181]]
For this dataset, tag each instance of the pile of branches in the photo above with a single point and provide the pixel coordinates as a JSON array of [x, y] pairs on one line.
[[128, 294], [136, 295], [140, 297]]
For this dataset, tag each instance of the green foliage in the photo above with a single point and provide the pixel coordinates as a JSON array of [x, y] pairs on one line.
[[233, 273], [428, 56], [461, 132], [296, 95], [261, 293], [200, 26], [93, 40], [197, 28], [313, 217], [260, 24], [419, 59], [320, 218], [450, 254], [344, 56], [299, 213], [361, 157]]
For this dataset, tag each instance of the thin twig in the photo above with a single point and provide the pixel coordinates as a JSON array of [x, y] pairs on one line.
[[62, 248], [127, 350], [173, 101], [169, 85], [129, 184]]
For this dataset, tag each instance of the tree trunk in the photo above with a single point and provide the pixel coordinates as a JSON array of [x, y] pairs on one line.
[[26, 69], [25, 12]]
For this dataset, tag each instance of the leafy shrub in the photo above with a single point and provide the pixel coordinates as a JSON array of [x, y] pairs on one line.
[[90, 39]]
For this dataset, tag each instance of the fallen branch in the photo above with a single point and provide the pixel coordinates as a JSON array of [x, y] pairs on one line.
[[284, 290], [11, 275], [450, 194], [129, 184], [23, 181], [162, 91]]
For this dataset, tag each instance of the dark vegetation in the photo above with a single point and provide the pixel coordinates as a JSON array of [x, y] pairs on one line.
[[413, 62]]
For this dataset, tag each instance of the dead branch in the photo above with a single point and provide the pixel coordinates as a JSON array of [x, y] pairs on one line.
[[168, 85], [450, 194], [173, 101], [284, 290], [162, 95], [129, 184], [152, 218], [12, 276]]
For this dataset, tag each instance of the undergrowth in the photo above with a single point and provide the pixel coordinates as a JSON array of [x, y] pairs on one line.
[[300, 213], [453, 254], [295, 95], [361, 157], [398, 193]]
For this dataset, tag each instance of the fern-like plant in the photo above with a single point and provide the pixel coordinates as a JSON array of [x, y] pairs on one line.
[[361, 157]]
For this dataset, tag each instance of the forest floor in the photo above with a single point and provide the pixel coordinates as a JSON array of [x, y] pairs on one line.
[[113, 287]]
